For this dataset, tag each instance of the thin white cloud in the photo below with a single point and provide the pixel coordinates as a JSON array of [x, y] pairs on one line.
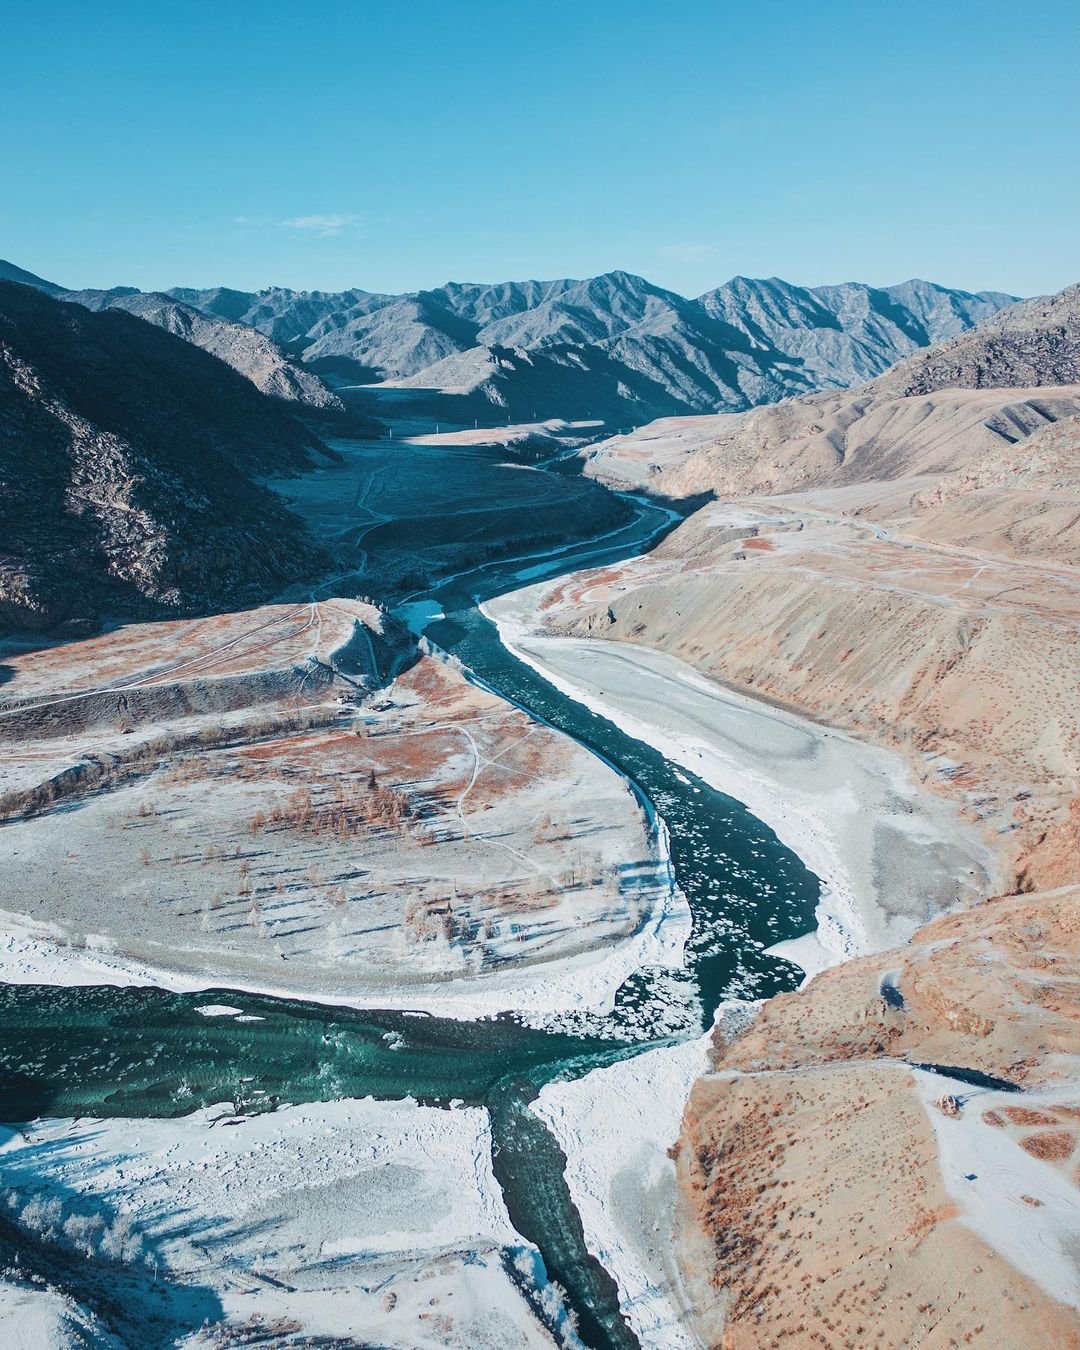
[[686, 252], [323, 226]]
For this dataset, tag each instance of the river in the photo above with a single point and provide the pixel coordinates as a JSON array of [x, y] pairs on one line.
[[144, 1052]]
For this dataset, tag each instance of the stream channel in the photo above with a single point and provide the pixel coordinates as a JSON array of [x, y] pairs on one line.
[[109, 1052]]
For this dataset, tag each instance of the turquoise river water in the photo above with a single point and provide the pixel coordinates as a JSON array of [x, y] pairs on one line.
[[144, 1052]]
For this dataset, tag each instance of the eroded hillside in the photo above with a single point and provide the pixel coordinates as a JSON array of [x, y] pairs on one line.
[[126, 460], [899, 561], [888, 1157]]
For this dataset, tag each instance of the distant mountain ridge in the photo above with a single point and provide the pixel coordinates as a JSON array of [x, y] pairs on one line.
[[850, 333], [248, 351], [921, 417], [633, 349], [9, 272], [615, 346], [1036, 342]]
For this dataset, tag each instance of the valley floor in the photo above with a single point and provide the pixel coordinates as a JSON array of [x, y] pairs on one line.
[[232, 803]]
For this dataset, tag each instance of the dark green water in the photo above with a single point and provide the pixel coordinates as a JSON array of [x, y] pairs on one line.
[[144, 1052], [147, 1052]]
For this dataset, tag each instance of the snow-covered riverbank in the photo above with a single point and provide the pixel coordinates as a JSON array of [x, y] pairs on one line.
[[616, 1126], [853, 813], [585, 982], [355, 1219]]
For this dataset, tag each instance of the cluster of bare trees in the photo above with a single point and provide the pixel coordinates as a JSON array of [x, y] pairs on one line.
[[43, 1217], [346, 812], [546, 831], [525, 895], [428, 920]]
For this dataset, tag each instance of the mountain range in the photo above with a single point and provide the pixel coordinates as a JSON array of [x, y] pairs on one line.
[[131, 424], [919, 417], [614, 347]]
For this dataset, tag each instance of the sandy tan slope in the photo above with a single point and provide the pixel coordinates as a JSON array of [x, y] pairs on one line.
[[900, 561], [962, 404], [964, 661], [835, 1193]]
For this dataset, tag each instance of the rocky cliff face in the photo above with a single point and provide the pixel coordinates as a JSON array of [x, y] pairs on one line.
[[126, 463]]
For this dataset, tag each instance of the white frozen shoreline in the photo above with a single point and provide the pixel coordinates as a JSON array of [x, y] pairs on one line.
[[38, 953], [836, 802], [583, 981], [615, 1126], [985, 1174], [356, 1218]]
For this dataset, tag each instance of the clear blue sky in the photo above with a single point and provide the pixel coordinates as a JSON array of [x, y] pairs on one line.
[[394, 144]]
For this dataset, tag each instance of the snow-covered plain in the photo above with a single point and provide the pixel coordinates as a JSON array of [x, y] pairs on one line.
[[375, 1221]]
